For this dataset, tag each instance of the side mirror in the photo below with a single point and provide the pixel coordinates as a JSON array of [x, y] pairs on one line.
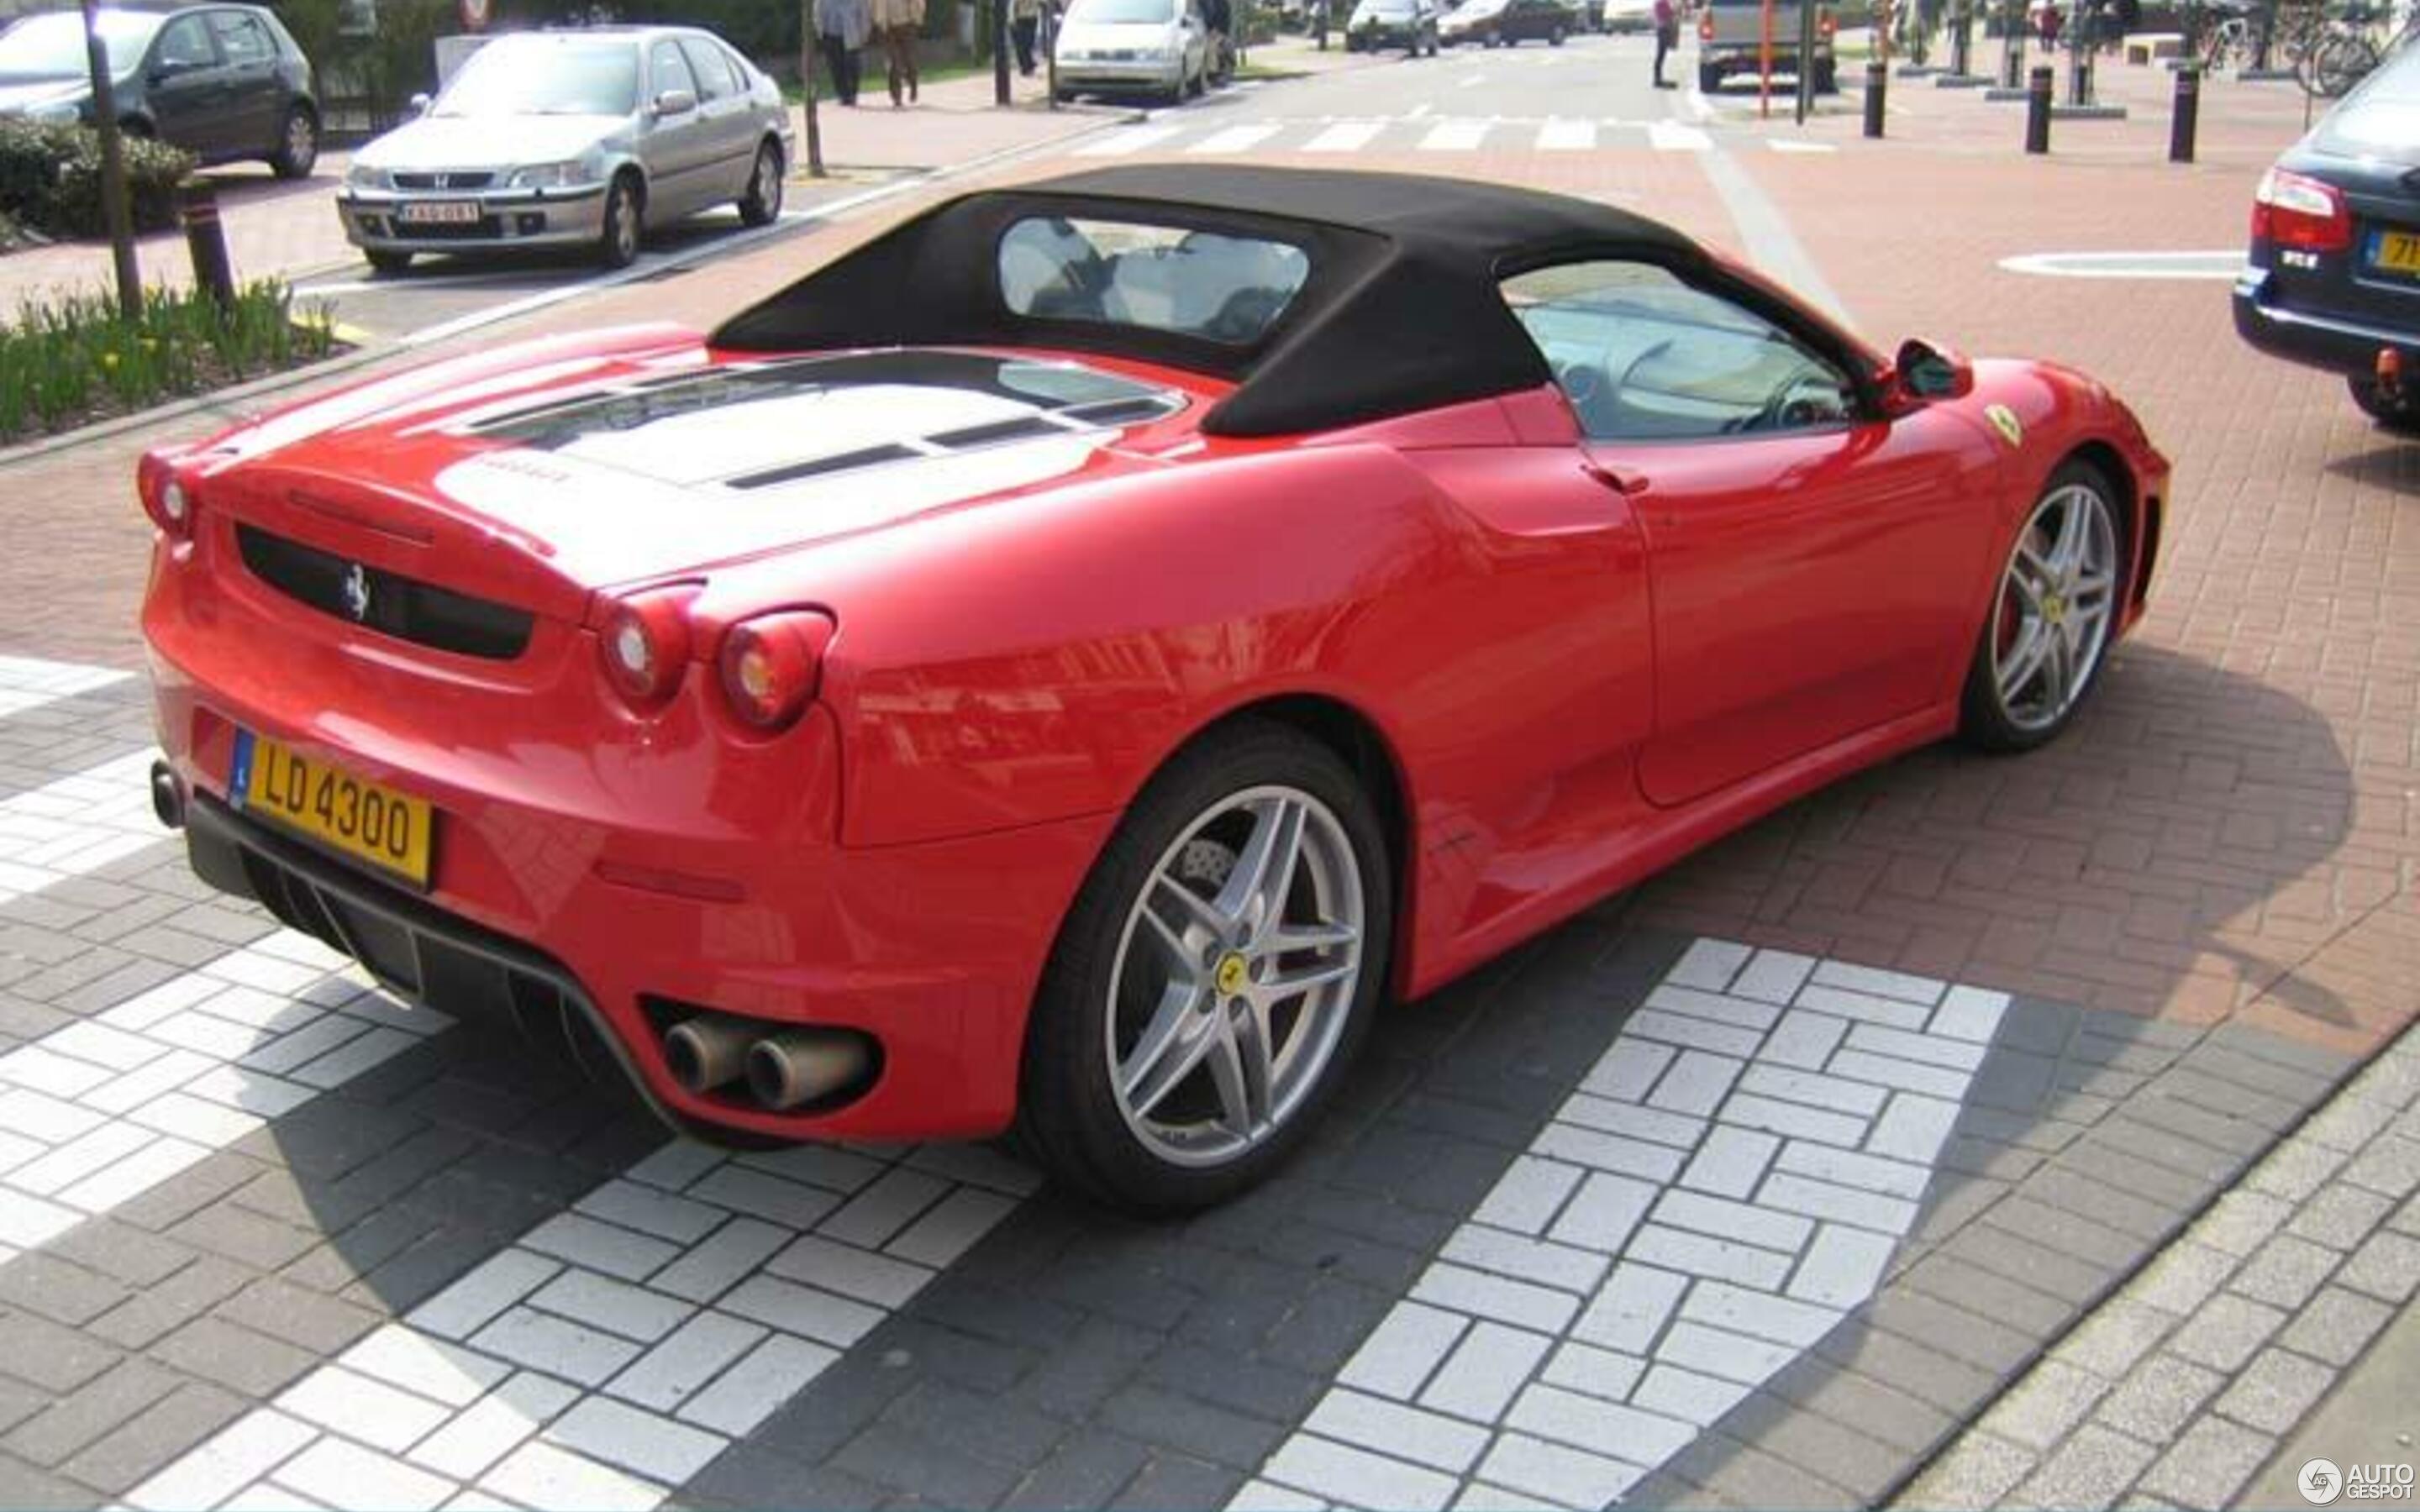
[[420, 103], [1925, 373], [675, 102]]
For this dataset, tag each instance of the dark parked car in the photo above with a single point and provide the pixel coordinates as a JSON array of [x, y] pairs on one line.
[[1503, 22], [2333, 280], [1379, 24], [224, 82]]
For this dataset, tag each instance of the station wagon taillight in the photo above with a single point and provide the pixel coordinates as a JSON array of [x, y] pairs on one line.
[[2289, 209], [772, 665]]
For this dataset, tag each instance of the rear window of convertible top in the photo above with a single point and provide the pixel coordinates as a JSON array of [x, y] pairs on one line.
[[1207, 285]]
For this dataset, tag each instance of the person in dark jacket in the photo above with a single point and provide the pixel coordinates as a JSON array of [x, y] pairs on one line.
[[1667, 37]]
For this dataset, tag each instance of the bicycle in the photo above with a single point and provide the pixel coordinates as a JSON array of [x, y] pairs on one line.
[[2340, 51], [2228, 43]]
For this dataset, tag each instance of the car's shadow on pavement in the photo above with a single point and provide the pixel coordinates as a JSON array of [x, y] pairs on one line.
[[2389, 462]]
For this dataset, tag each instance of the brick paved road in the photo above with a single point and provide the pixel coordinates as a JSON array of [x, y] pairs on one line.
[[1750, 1188]]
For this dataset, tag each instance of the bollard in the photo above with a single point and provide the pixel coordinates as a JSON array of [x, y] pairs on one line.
[[206, 239], [1877, 78], [2186, 115], [2038, 109]]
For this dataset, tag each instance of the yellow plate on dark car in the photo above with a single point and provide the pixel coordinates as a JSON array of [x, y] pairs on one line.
[[389, 830], [2399, 250]]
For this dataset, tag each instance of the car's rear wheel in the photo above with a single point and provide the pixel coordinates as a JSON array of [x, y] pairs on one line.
[[298, 146], [2053, 609], [1214, 978], [2399, 413], [1710, 77], [388, 262], [617, 244], [1554, 38], [762, 204]]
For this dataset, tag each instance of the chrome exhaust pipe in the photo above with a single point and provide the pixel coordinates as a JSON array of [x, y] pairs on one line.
[[168, 796], [798, 1066], [706, 1052]]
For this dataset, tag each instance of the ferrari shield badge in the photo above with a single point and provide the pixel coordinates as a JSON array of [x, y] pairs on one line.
[[2005, 420]]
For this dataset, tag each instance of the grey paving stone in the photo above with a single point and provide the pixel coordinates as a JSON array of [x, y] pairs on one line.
[[22, 1020], [2158, 1398], [79, 1417], [2210, 1463], [192, 1189], [2275, 1391], [749, 1476], [2183, 1276], [1390, 1268], [2226, 1331], [2273, 1078], [40, 1352], [952, 1355], [2063, 1186], [1332, 1319], [169, 1304], [2296, 1169], [2313, 1060], [1872, 1406], [435, 1259], [280, 1309], [2046, 1404], [2241, 1221], [1179, 1483], [30, 1488], [815, 1424], [2029, 1264], [2387, 1267], [1981, 1291], [1860, 1466], [2091, 1470], [246, 1238], [1974, 1475], [1088, 1469], [1952, 1331], [1258, 1388], [933, 1469], [1190, 1426], [1743, 1476], [2340, 1215], [1101, 1355], [993, 1428], [252, 1364], [1949, 1385], [123, 1460], [58, 1289], [2071, 1234], [1251, 1300], [130, 1255], [2285, 1272], [2351, 1122], [2336, 1327], [2390, 1165]]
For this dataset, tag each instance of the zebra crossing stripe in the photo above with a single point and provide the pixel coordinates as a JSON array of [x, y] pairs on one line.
[[1234, 139], [28, 682], [1133, 139], [1345, 136], [77, 824], [1671, 136], [1567, 136], [1454, 136]]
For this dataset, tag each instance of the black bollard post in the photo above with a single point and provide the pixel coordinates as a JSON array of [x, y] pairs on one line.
[[206, 239], [1877, 79], [2038, 109], [2186, 115]]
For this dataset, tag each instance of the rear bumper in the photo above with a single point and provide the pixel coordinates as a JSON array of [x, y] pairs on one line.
[[2313, 339]]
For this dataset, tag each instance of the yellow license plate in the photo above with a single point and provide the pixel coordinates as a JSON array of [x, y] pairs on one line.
[[388, 829], [2399, 251]]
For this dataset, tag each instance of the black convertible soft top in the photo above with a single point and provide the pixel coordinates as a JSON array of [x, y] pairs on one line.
[[1401, 311]]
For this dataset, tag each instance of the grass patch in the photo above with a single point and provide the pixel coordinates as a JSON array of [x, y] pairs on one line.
[[68, 362]]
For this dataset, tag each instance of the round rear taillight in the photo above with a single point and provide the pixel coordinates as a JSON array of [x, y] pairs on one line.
[[173, 504], [772, 665], [645, 646]]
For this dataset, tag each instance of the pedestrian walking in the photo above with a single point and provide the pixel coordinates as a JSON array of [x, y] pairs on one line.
[[1024, 25], [2048, 23], [1667, 37], [896, 25], [841, 27]]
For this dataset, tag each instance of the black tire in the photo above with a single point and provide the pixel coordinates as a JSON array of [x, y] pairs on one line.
[[761, 205], [1984, 721], [625, 222], [1554, 38], [2400, 414], [298, 144], [388, 262], [1069, 1117]]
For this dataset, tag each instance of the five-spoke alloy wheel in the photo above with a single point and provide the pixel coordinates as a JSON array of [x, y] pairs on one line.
[[2052, 616], [1214, 978]]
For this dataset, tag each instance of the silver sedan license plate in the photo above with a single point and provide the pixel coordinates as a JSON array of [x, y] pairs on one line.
[[441, 212]]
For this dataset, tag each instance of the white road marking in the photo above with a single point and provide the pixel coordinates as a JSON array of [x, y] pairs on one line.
[[1234, 139], [1671, 136], [1785, 144], [1567, 136], [1346, 136], [1454, 136], [2210, 265], [77, 824], [1132, 139], [1725, 1186], [27, 682]]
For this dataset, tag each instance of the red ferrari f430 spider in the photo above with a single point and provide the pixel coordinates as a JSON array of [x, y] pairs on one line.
[[1066, 663]]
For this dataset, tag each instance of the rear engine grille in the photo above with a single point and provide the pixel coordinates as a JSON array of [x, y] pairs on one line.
[[405, 608]]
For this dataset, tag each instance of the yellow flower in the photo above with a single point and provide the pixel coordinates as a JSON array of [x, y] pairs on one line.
[[109, 361]]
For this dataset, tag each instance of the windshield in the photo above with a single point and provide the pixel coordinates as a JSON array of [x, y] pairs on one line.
[[546, 77], [52, 46], [1124, 10]]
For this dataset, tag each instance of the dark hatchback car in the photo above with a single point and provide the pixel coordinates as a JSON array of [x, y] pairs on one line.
[[2333, 280], [1503, 22], [224, 82]]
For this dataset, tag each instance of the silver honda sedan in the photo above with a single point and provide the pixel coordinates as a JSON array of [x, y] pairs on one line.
[[572, 139]]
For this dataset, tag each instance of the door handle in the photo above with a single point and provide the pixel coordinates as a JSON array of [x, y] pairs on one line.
[[1616, 479]]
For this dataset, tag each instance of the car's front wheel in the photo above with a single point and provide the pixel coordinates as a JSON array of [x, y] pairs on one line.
[[762, 204], [1214, 978], [2053, 609], [388, 262], [617, 242], [2398, 412], [298, 146]]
